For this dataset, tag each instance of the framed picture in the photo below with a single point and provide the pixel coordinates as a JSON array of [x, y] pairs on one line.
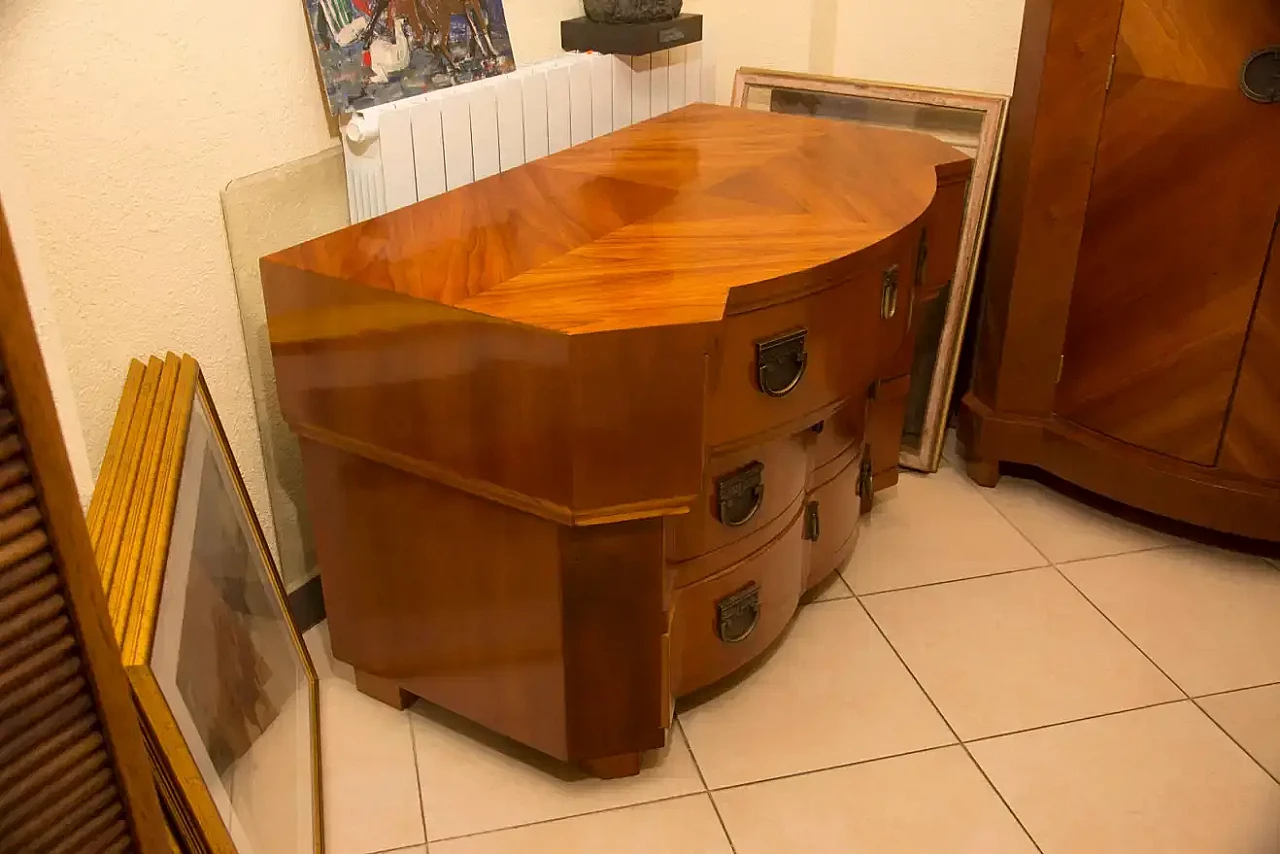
[[374, 51], [225, 687], [968, 121]]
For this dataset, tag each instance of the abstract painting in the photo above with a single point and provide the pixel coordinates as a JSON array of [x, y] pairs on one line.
[[375, 51]]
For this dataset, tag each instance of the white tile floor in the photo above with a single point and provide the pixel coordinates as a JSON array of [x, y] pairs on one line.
[[1018, 672]]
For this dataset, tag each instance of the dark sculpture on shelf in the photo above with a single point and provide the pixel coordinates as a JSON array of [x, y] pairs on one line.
[[631, 11]]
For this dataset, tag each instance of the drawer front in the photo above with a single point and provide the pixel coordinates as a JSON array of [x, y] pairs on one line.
[[901, 290], [773, 366], [724, 621], [837, 436], [744, 493], [884, 429], [831, 522]]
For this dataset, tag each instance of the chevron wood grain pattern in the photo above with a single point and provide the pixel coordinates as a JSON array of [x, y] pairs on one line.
[[615, 265], [1180, 217], [1251, 445], [1165, 396], [73, 770], [645, 226], [518, 403], [1197, 42]]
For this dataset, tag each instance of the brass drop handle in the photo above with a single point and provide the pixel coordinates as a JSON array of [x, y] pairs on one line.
[[739, 494], [738, 613], [889, 293], [812, 522], [780, 363]]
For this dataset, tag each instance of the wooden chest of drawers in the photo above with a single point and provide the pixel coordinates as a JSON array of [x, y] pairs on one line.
[[578, 437]]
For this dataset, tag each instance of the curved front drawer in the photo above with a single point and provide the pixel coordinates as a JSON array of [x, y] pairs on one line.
[[724, 621], [835, 507], [775, 365], [777, 471]]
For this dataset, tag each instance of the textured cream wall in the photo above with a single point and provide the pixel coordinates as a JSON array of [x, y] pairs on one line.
[[125, 119], [956, 44]]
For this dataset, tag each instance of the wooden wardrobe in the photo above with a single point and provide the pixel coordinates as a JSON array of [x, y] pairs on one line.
[[74, 775], [1130, 332]]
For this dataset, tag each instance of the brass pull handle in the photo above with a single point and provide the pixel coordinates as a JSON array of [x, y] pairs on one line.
[[889, 293], [866, 480], [739, 494], [812, 523], [738, 613], [780, 363]]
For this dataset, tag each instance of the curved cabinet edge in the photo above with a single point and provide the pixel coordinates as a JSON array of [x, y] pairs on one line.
[[1185, 492]]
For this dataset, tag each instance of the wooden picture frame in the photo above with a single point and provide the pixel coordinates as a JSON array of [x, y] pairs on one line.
[[977, 128], [225, 687]]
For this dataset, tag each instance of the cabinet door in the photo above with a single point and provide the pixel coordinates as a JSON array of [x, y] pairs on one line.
[[1252, 443], [1181, 208]]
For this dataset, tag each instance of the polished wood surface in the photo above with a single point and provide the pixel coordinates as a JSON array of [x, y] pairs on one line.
[[1251, 445], [779, 569], [1178, 228], [836, 508], [1041, 196], [785, 473], [518, 403], [74, 774], [422, 312], [661, 209], [1125, 342]]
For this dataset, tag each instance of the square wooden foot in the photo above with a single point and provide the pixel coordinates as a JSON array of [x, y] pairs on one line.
[[983, 472], [383, 690], [610, 767]]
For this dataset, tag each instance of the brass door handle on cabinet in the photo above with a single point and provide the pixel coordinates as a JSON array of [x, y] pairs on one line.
[[780, 363], [739, 494]]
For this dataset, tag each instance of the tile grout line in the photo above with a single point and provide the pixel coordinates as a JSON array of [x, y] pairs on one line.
[[949, 727], [1122, 632], [996, 574], [1112, 623], [600, 811], [417, 775], [838, 767], [983, 490], [1235, 690], [1223, 729], [1186, 694], [1055, 724], [706, 790]]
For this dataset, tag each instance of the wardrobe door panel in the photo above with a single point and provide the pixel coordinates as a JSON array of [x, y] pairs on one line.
[[1180, 215]]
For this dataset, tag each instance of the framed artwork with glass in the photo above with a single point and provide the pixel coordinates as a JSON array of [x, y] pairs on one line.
[[225, 687], [971, 122]]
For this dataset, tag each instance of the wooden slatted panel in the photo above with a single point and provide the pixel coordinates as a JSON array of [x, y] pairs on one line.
[[58, 789]]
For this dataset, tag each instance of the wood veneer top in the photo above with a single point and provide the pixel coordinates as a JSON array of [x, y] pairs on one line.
[[652, 225]]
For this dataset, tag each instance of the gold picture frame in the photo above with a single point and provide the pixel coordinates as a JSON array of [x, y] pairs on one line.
[[972, 122], [225, 687]]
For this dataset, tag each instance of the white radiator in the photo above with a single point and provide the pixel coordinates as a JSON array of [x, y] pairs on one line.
[[418, 147]]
